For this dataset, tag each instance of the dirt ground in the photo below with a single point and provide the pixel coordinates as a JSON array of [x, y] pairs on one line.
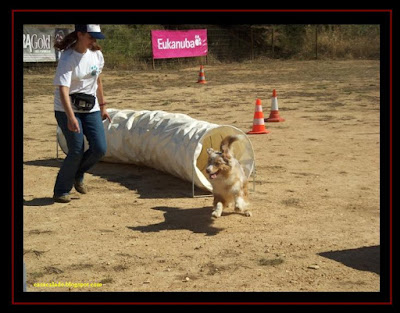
[[315, 223]]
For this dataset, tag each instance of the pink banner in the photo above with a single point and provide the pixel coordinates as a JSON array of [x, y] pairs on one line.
[[179, 43]]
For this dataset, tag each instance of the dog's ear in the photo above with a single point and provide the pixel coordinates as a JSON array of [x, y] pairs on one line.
[[210, 151], [226, 155], [227, 142]]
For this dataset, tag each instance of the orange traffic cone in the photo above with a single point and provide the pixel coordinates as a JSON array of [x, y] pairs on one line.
[[202, 77], [274, 115], [258, 122]]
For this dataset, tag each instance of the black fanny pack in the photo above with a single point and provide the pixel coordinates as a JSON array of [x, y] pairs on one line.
[[82, 101]]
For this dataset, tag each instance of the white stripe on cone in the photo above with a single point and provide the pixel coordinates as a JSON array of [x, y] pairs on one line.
[[274, 104], [258, 121]]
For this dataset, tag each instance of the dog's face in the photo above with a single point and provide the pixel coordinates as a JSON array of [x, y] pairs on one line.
[[218, 164]]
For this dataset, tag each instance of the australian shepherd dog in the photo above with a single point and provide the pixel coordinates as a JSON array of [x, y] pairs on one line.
[[227, 178]]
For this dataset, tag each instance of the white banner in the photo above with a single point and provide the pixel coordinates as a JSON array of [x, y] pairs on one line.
[[38, 43]]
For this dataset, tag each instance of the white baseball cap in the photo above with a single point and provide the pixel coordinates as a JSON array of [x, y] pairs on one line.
[[93, 29]]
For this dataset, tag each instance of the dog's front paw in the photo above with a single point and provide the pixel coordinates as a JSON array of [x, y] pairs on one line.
[[243, 211], [240, 205], [218, 210], [248, 214], [215, 214]]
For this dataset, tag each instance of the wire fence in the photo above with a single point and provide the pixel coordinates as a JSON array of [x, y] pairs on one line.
[[129, 46]]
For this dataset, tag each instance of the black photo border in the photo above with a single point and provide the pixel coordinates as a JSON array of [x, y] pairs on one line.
[[19, 17]]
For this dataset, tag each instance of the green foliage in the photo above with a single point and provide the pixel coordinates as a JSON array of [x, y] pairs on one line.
[[129, 46], [126, 46]]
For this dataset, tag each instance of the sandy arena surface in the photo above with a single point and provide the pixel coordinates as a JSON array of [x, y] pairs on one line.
[[316, 215]]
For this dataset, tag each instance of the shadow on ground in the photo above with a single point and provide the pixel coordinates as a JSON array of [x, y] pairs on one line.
[[363, 259], [147, 182], [196, 220]]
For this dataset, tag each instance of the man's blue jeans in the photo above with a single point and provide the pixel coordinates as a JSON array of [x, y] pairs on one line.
[[77, 161]]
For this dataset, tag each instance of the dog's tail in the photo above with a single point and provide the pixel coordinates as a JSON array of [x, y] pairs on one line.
[[226, 144]]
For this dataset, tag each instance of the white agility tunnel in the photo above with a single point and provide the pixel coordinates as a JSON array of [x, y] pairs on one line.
[[173, 143]]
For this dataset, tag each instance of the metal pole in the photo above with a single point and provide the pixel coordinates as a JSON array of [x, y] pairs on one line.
[[254, 174], [272, 41], [192, 180], [152, 54], [316, 42], [252, 43]]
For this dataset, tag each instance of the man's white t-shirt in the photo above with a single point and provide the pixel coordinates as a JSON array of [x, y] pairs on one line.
[[79, 72]]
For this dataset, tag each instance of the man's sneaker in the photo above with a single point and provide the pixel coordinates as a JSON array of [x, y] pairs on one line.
[[62, 199], [80, 187]]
